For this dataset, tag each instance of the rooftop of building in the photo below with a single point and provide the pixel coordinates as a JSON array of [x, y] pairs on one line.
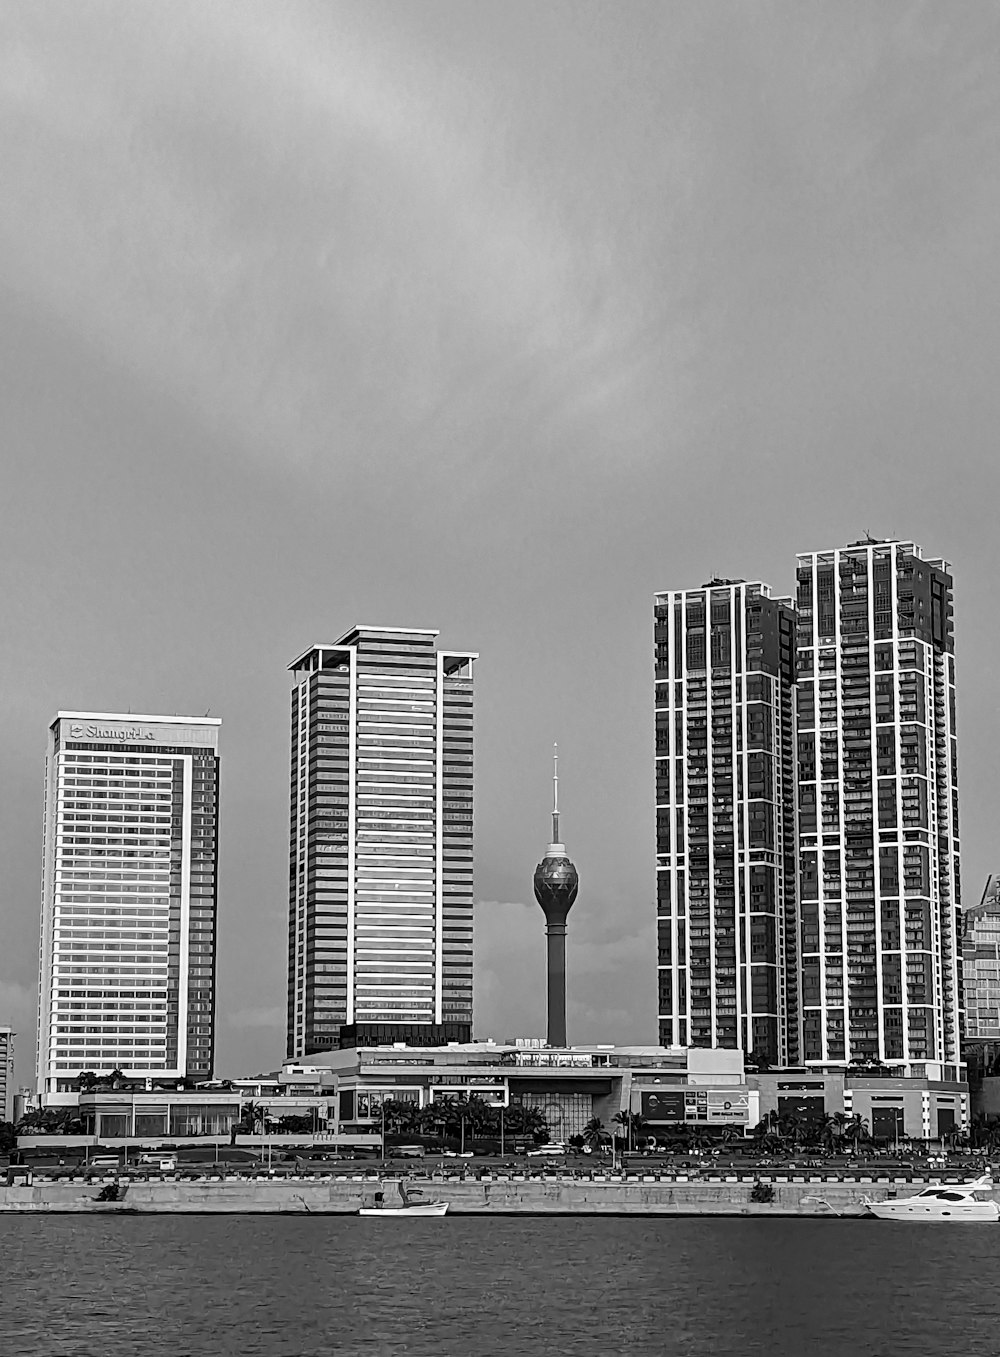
[[664, 595], [131, 718], [351, 636], [523, 1054]]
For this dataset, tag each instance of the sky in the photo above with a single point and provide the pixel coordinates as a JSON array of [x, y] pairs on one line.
[[494, 319]]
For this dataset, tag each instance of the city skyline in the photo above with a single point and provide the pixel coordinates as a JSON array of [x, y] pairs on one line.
[[492, 321], [729, 631]]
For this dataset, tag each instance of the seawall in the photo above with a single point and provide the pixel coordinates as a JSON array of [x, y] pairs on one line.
[[343, 1196]]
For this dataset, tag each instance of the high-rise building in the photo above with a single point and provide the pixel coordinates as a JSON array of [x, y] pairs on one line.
[[380, 870], [6, 1071], [129, 896], [878, 807], [981, 966], [725, 819]]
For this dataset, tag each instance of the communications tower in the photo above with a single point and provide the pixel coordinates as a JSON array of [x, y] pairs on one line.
[[556, 884]]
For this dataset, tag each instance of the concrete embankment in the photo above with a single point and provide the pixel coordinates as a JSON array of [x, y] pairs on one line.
[[567, 1196]]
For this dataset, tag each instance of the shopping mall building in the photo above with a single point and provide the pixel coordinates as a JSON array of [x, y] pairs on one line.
[[342, 1092]]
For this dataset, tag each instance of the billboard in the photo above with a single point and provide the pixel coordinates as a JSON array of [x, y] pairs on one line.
[[728, 1106], [665, 1106]]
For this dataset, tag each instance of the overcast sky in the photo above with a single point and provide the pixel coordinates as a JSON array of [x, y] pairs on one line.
[[494, 318]]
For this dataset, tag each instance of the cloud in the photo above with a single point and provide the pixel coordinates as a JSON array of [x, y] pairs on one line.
[[307, 232]]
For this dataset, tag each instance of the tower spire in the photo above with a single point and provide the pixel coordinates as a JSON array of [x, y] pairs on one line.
[[555, 793]]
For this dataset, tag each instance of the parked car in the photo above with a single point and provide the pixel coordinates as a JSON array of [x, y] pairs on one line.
[[165, 1164]]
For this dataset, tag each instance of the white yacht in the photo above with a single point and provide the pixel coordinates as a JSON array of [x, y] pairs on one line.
[[944, 1201]]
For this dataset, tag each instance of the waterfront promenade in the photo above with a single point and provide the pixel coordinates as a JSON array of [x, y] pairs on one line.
[[516, 1194]]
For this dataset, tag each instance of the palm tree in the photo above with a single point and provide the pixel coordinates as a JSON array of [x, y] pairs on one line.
[[594, 1133], [252, 1117], [399, 1116], [623, 1120], [482, 1118], [767, 1124], [856, 1130], [525, 1121], [631, 1125], [832, 1134]]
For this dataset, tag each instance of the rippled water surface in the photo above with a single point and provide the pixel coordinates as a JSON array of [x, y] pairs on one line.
[[180, 1286]]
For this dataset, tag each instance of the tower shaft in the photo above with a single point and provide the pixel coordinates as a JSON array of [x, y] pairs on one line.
[[555, 942]]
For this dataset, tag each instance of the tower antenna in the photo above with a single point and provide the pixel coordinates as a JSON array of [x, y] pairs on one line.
[[555, 793]]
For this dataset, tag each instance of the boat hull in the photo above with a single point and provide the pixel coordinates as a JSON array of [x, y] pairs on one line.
[[914, 1209], [424, 1209]]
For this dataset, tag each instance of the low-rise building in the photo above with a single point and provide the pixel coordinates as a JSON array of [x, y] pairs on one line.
[[893, 1106], [570, 1086]]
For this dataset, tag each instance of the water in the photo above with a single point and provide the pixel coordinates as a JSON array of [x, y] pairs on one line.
[[205, 1286]]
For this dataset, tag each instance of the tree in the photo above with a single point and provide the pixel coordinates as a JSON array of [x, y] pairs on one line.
[[529, 1122], [759, 1060], [856, 1131], [8, 1137], [594, 1133], [86, 1080], [401, 1118], [631, 1125], [252, 1118], [50, 1121], [767, 1124], [293, 1125], [832, 1133], [481, 1116]]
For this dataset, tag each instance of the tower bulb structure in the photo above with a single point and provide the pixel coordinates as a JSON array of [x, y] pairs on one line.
[[556, 884]]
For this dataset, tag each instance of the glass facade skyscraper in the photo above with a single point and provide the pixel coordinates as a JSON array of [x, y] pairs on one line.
[[725, 819], [807, 813], [380, 869], [129, 898]]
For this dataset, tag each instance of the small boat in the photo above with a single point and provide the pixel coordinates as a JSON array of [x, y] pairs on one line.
[[946, 1201], [409, 1206], [414, 1209]]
